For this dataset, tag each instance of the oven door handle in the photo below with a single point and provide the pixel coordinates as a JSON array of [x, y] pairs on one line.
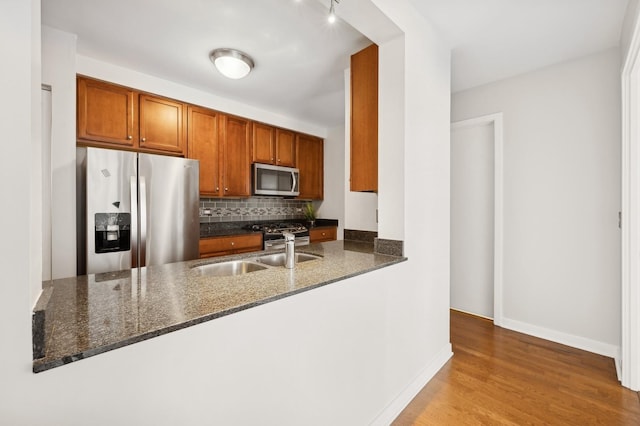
[[274, 245]]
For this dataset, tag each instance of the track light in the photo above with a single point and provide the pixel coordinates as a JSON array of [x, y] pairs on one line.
[[332, 11]]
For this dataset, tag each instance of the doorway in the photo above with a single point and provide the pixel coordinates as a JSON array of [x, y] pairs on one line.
[[476, 216]]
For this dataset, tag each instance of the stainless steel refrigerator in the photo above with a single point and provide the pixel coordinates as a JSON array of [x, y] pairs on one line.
[[135, 210]]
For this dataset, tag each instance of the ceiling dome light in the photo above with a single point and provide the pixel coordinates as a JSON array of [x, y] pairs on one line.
[[232, 63]]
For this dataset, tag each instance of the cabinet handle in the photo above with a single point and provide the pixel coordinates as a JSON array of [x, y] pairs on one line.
[[144, 139], [129, 137], [278, 160], [226, 189], [232, 243], [323, 234], [217, 188]]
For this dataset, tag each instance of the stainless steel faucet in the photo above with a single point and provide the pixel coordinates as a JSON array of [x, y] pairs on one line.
[[289, 250]]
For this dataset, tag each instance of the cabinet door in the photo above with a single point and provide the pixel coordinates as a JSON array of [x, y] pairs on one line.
[[310, 161], [161, 125], [106, 113], [285, 148], [236, 157], [318, 235], [263, 144], [204, 146], [364, 120], [221, 246]]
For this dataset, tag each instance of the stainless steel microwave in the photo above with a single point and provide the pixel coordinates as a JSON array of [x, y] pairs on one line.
[[275, 180]]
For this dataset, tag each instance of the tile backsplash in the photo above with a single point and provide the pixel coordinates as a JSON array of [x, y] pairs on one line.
[[250, 209]]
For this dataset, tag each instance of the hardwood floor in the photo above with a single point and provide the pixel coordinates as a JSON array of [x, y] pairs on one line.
[[500, 377]]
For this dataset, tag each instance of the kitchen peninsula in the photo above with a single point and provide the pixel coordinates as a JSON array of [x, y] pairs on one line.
[[92, 314]]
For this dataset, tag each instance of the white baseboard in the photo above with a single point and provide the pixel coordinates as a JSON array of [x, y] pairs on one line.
[[618, 361], [391, 411], [471, 313], [577, 342]]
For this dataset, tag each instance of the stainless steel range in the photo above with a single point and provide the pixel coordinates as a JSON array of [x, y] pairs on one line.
[[272, 234]]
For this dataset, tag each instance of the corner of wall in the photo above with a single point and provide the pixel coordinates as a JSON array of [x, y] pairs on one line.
[[59, 72]]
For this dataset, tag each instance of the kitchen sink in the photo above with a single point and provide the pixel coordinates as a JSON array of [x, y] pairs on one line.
[[230, 268], [278, 259]]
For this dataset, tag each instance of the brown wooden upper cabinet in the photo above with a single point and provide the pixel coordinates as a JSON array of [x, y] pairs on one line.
[[272, 145], [161, 125], [310, 161], [222, 145], [364, 120], [114, 116], [204, 145], [235, 139], [285, 148], [106, 113]]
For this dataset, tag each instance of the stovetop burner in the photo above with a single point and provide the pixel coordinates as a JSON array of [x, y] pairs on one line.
[[277, 228]]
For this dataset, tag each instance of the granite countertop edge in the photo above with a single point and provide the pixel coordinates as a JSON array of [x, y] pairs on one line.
[[43, 364]]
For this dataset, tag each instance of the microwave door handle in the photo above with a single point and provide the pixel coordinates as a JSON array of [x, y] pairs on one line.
[[275, 245], [294, 181]]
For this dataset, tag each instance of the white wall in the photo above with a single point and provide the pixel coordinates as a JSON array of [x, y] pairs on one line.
[[561, 198], [391, 192], [362, 347], [45, 178], [35, 187], [332, 207], [19, 285], [58, 71]]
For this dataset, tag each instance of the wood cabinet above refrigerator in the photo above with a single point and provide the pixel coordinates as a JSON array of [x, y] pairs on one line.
[[113, 116]]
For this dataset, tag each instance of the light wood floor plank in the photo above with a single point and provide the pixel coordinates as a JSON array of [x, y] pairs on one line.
[[501, 377]]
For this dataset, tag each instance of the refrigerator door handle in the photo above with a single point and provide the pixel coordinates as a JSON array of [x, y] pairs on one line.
[[143, 222], [134, 222]]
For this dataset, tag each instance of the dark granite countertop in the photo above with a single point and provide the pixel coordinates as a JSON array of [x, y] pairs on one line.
[[97, 313]]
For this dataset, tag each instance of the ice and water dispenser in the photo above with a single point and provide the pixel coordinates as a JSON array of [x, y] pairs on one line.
[[112, 232]]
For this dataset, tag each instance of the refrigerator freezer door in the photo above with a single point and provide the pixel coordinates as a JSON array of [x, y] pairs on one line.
[[110, 221], [171, 225]]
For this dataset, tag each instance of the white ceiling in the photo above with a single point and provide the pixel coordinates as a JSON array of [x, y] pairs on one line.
[[496, 39], [300, 58]]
